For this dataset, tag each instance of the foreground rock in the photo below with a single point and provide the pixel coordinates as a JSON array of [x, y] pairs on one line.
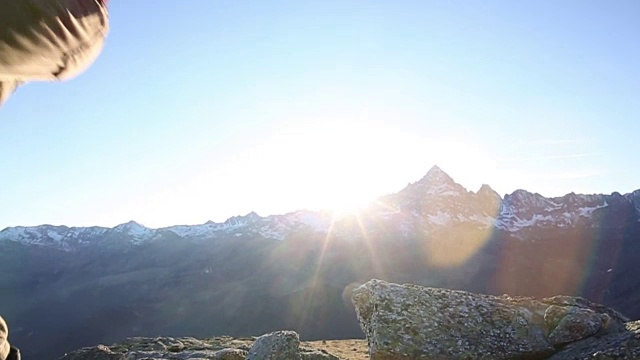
[[414, 322], [279, 345], [622, 345]]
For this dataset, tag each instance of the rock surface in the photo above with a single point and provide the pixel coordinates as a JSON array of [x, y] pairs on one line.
[[414, 322], [618, 345], [278, 345], [99, 352]]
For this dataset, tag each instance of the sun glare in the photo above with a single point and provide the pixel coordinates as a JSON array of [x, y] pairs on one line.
[[337, 166], [344, 165]]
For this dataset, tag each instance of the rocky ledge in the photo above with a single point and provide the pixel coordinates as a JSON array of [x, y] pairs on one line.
[[414, 322], [276, 345]]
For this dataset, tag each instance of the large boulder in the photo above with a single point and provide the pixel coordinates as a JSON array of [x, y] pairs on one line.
[[414, 322]]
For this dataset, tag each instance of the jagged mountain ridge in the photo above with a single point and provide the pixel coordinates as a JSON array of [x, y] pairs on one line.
[[434, 201], [69, 238]]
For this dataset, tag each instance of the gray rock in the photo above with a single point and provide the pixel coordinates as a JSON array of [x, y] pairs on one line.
[[571, 323], [623, 344], [279, 345], [414, 322], [187, 348]]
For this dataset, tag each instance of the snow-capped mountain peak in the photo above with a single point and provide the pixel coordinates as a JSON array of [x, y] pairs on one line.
[[138, 232], [523, 199], [436, 176], [435, 183], [434, 203], [130, 226], [236, 221]]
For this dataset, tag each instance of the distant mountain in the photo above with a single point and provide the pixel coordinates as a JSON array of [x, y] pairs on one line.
[[65, 238], [66, 287], [434, 201]]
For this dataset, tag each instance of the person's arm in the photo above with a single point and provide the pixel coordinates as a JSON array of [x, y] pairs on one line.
[[47, 40]]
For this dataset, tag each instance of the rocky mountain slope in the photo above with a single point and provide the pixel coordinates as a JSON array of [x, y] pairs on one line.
[[69, 287]]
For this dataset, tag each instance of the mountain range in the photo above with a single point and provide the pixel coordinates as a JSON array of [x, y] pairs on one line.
[[67, 287]]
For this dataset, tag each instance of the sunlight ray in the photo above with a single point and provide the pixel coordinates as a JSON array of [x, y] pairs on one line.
[[309, 298], [377, 266]]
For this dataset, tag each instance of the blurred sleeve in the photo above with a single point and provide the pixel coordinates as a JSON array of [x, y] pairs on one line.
[[50, 39]]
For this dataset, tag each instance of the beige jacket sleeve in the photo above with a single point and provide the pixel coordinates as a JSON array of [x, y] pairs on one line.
[[43, 40]]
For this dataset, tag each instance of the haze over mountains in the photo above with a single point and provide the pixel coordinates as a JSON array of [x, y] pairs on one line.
[[68, 287]]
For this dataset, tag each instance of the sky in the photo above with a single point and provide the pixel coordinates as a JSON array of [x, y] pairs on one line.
[[202, 110]]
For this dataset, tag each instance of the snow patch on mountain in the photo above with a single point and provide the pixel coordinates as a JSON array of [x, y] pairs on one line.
[[588, 211], [537, 218]]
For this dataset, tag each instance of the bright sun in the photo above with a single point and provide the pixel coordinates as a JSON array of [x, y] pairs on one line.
[[344, 165], [338, 166]]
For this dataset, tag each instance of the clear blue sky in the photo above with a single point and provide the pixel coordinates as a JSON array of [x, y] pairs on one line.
[[201, 110]]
